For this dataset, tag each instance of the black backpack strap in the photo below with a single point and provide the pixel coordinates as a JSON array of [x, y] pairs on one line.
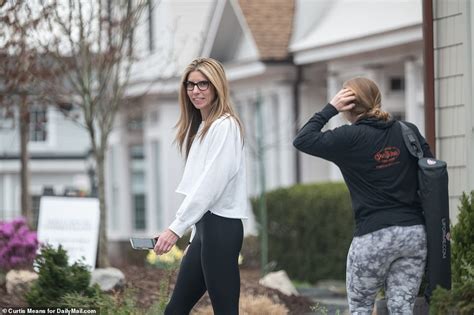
[[411, 141]]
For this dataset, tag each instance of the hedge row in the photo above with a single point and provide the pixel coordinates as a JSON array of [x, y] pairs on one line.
[[309, 230]]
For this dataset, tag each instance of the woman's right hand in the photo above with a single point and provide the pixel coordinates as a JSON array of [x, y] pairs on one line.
[[165, 242], [344, 100]]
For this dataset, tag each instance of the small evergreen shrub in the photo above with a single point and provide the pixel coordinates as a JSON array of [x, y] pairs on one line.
[[463, 237], [460, 299], [97, 299], [310, 229], [57, 278], [18, 245]]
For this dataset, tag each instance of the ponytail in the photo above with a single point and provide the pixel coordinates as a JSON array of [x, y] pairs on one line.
[[378, 113]]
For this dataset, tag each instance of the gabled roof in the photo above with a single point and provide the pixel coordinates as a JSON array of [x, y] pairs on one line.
[[229, 39], [271, 23]]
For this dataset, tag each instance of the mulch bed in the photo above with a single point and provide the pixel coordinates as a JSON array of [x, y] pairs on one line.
[[147, 283]]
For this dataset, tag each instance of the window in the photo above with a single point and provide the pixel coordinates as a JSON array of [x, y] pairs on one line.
[[38, 124], [35, 205], [138, 186], [397, 84], [151, 43], [7, 118], [135, 122], [140, 217]]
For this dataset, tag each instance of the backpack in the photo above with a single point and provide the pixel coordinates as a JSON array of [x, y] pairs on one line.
[[433, 192]]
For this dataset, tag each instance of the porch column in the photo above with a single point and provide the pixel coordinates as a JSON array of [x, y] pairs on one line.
[[414, 94], [333, 86]]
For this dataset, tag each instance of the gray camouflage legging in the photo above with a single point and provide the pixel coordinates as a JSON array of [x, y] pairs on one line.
[[394, 257]]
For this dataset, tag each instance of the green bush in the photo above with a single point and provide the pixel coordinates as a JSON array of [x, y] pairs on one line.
[[310, 228], [463, 237], [57, 278], [460, 299], [119, 303], [97, 300]]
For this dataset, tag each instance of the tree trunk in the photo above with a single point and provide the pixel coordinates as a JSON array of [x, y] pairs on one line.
[[26, 210], [103, 260]]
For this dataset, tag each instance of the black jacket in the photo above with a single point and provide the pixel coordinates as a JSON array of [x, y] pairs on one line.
[[378, 169]]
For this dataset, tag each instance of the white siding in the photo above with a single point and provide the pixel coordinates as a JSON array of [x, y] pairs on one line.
[[453, 99]]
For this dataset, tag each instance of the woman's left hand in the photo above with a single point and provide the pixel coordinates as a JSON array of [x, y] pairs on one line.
[[165, 242]]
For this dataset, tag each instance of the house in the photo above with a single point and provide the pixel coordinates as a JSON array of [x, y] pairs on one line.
[[281, 68], [58, 165], [284, 60]]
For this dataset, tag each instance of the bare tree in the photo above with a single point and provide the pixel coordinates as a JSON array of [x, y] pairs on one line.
[[90, 44], [20, 72]]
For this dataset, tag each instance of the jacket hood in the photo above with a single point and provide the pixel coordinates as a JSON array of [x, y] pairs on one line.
[[375, 122]]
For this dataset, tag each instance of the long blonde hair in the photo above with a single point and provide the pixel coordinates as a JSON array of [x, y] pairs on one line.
[[190, 116], [368, 100]]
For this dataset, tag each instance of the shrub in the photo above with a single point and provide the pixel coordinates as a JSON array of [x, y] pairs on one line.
[[57, 278], [117, 304], [97, 299], [18, 245], [310, 229], [463, 237], [460, 299]]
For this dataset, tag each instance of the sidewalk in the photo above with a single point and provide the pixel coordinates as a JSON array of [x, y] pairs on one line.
[[329, 297]]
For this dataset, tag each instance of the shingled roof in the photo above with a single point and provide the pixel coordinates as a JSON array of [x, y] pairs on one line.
[[271, 23]]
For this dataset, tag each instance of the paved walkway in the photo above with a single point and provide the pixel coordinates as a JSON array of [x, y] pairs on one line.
[[329, 297]]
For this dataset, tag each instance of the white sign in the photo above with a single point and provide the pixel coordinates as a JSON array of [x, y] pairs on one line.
[[73, 223]]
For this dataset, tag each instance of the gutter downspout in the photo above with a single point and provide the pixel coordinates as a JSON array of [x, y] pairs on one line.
[[296, 112], [429, 77]]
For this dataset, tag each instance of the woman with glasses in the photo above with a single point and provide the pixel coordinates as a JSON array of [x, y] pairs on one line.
[[211, 138]]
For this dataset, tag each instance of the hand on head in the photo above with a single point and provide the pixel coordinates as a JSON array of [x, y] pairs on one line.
[[165, 242], [343, 100]]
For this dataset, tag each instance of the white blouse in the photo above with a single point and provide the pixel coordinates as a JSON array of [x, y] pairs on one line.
[[214, 176]]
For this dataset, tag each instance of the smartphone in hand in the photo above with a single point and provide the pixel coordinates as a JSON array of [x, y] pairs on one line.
[[142, 243]]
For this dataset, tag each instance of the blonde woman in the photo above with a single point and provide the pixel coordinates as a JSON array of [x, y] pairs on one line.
[[389, 244], [210, 136]]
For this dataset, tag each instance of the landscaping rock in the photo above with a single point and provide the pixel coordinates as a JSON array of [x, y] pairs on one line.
[[279, 281], [108, 279], [18, 282]]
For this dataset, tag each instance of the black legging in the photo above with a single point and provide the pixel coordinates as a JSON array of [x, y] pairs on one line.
[[211, 264]]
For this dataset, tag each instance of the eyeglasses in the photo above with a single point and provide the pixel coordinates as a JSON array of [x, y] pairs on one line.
[[202, 85]]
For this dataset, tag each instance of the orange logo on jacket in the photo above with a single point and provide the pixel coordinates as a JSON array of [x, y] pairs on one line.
[[387, 155]]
